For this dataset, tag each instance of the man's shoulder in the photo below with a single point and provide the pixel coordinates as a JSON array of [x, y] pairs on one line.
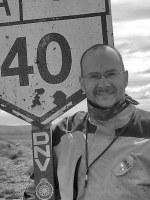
[[143, 116], [75, 122], [140, 125]]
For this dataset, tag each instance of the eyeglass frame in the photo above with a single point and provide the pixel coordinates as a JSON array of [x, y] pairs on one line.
[[107, 75]]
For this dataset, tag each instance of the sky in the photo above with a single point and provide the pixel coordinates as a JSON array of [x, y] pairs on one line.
[[131, 28]]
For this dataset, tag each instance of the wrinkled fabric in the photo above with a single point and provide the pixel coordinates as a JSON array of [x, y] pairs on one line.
[[105, 114], [122, 173]]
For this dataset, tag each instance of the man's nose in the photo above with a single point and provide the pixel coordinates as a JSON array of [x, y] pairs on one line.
[[103, 81]]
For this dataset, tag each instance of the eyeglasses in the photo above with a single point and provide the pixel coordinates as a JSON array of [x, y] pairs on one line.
[[107, 75]]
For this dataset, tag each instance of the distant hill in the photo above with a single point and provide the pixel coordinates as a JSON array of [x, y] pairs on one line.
[[15, 131]]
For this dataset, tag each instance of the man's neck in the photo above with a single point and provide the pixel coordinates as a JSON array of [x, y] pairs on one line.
[[99, 113]]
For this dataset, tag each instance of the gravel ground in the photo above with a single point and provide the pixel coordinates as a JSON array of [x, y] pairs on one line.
[[15, 168]]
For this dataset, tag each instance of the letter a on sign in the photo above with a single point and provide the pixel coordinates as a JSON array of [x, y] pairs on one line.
[[6, 7]]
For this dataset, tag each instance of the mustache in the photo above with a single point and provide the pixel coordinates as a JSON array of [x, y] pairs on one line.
[[108, 90]]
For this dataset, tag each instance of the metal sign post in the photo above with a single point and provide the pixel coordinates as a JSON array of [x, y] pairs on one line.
[[43, 163], [41, 45]]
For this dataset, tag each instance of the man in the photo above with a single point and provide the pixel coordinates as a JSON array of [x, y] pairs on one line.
[[103, 154]]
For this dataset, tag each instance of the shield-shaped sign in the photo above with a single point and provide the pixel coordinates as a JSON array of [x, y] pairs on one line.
[[41, 45]]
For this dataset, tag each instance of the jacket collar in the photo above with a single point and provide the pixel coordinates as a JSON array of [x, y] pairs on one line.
[[111, 125]]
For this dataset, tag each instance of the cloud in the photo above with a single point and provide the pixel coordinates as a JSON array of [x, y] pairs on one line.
[[132, 28], [146, 72], [132, 36], [127, 10], [132, 44], [132, 39], [139, 81], [135, 63], [140, 92]]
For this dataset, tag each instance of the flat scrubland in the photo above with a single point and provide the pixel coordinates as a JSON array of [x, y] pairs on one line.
[[15, 161]]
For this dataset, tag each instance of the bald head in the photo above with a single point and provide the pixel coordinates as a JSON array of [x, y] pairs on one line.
[[101, 54]]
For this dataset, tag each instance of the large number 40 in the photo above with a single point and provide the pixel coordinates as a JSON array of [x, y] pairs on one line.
[[23, 70]]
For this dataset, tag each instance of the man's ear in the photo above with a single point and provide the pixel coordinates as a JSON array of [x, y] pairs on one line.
[[81, 80], [126, 78]]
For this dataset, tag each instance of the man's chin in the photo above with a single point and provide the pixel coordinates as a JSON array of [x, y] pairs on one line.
[[106, 101]]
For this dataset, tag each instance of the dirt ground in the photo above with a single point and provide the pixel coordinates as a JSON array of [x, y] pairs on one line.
[[15, 166]]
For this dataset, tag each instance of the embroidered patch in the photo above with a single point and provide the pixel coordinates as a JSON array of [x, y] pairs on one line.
[[44, 190], [124, 166]]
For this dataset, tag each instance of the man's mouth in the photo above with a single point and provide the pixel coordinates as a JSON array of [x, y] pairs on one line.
[[104, 92]]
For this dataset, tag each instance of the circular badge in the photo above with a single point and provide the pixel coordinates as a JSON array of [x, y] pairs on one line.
[[44, 190]]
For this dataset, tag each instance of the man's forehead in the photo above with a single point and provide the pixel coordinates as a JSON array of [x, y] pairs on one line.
[[99, 53], [98, 58]]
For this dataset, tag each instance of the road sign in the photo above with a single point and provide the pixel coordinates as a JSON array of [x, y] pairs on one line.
[[41, 45]]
